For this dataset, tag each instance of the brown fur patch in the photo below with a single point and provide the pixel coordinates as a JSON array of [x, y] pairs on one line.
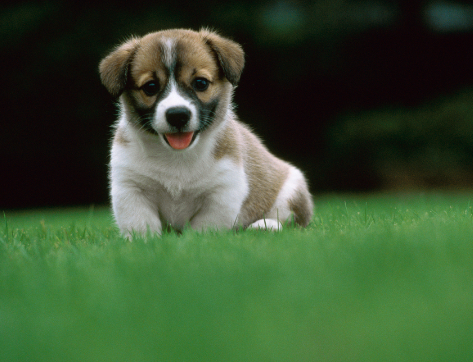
[[302, 207], [202, 54], [230, 55], [266, 175], [114, 68], [229, 144], [148, 66], [196, 60]]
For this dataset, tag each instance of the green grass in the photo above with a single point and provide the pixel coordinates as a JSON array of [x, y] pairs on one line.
[[384, 277]]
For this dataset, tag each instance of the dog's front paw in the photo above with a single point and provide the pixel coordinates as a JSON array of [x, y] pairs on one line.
[[267, 224], [140, 229]]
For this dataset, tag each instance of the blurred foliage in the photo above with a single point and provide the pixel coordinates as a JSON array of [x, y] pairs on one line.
[[426, 146], [307, 63]]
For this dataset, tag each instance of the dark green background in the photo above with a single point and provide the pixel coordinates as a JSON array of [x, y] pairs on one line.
[[314, 73]]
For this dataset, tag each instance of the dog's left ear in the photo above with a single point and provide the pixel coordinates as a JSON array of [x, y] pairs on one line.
[[230, 55], [114, 67]]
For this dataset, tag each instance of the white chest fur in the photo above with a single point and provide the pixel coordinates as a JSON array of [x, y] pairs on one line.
[[176, 188]]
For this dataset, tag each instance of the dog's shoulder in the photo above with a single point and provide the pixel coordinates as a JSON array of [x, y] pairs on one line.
[[238, 142], [229, 143]]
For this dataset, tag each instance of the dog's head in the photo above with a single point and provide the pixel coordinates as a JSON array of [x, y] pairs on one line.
[[174, 83]]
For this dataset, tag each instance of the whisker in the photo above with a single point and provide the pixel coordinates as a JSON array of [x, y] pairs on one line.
[[143, 121]]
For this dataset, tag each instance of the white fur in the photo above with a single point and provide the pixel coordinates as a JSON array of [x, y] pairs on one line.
[[150, 181], [281, 209], [267, 224], [173, 99], [168, 45]]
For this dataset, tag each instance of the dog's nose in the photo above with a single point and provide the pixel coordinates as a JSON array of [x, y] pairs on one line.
[[178, 116]]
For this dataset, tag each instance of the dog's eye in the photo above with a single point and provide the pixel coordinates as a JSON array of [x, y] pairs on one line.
[[200, 84], [150, 88]]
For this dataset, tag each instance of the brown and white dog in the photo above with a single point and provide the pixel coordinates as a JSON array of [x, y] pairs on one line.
[[179, 155]]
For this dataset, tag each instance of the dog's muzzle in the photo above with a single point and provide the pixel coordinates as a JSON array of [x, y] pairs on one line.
[[178, 117]]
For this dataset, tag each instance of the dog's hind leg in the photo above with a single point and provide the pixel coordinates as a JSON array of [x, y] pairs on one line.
[[294, 200]]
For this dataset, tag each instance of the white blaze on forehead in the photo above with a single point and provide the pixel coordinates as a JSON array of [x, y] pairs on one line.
[[168, 56], [173, 96]]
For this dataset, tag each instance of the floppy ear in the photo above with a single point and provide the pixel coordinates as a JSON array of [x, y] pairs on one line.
[[230, 55], [114, 67]]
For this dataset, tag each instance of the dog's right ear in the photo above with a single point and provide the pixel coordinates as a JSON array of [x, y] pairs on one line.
[[230, 55], [114, 67]]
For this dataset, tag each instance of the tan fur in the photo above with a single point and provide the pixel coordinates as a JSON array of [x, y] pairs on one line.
[[301, 205], [230, 55], [145, 53], [120, 137], [266, 173], [114, 68], [229, 144]]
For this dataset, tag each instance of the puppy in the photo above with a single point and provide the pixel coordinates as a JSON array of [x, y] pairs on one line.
[[179, 155]]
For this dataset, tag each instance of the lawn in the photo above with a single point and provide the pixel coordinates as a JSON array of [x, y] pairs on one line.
[[385, 277]]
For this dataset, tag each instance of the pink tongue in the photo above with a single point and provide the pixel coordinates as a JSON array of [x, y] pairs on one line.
[[180, 140]]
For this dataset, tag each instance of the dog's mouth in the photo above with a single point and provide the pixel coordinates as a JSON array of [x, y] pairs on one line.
[[180, 140]]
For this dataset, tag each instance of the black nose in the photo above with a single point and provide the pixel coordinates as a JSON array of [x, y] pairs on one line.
[[178, 116]]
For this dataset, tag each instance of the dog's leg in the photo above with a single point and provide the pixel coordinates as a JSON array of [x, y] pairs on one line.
[[293, 201], [221, 208], [220, 211], [134, 213], [218, 216]]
